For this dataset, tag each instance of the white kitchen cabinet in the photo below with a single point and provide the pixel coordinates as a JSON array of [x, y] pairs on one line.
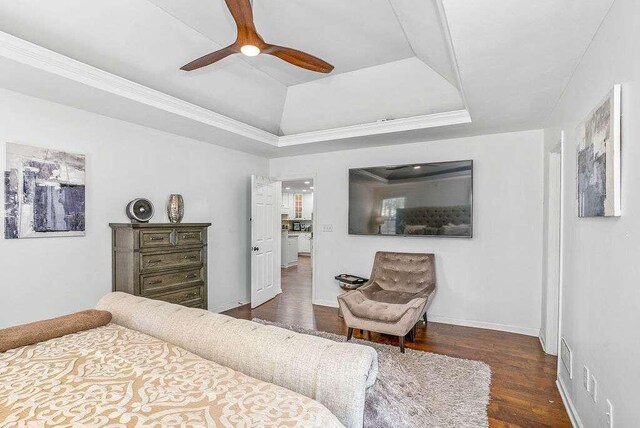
[[307, 206], [304, 243], [289, 250], [287, 204], [293, 251]]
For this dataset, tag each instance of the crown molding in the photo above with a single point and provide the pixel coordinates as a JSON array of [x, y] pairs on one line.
[[384, 127], [27, 53], [32, 55]]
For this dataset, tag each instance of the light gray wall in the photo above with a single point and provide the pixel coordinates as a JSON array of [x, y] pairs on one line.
[[492, 280], [42, 278], [601, 273]]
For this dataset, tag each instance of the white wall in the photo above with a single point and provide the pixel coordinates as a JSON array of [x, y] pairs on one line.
[[42, 278], [492, 280], [601, 273]]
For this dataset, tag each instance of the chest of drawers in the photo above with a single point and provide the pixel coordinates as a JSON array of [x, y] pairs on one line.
[[161, 261]]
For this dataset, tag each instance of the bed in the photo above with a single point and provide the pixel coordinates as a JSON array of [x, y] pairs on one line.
[[131, 372], [112, 375]]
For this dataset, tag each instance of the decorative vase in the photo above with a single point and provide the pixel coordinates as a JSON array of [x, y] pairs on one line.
[[175, 208]]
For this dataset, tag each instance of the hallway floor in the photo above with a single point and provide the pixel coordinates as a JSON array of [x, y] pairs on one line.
[[523, 390]]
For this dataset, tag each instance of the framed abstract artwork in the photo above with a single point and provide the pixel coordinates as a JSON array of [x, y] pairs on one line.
[[598, 146], [44, 193]]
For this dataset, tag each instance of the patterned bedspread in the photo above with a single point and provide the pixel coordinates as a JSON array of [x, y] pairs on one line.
[[119, 377]]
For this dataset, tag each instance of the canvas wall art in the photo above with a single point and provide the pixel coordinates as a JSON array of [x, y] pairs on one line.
[[598, 177], [44, 193]]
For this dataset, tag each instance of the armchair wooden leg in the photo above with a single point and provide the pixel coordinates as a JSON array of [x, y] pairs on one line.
[[401, 338], [411, 335], [349, 333]]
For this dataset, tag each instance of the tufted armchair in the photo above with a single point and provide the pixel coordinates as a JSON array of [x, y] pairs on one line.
[[401, 288]]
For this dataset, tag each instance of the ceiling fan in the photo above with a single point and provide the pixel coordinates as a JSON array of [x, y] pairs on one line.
[[249, 43]]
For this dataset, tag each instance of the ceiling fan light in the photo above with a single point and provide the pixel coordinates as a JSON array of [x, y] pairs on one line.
[[250, 50]]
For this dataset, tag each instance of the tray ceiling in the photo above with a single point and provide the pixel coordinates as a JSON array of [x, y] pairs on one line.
[[148, 41], [427, 65]]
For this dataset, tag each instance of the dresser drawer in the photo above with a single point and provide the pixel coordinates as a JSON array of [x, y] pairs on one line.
[[154, 262], [156, 238], [192, 296], [157, 282], [190, 237], [199, 304]]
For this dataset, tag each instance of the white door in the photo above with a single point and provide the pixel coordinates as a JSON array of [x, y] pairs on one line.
[[265, 239]]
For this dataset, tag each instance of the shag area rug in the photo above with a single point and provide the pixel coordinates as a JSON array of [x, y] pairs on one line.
[[420, 389]]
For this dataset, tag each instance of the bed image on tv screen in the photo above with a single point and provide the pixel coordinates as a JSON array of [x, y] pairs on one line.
[[426, 199]]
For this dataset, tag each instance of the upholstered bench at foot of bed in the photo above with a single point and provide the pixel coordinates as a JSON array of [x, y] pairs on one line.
[[334, 374]]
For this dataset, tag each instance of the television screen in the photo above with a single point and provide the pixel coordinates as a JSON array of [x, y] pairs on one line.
[[427, 199]]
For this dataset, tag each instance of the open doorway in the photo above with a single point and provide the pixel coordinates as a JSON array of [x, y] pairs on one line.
[[297, 223]]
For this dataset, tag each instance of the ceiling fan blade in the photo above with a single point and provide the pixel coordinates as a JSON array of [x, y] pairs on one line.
[[299, 58], [243, 15], [209, 59]]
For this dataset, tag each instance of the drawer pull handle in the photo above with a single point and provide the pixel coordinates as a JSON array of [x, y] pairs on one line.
[[190, 257], [191, 295], [157, 281], [189, 236], [191, 276], [157, 238], [154, 261]]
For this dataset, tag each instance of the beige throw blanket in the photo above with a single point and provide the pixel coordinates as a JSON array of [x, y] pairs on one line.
[[120, 377]]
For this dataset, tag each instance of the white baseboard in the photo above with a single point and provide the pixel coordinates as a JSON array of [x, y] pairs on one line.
[[544, 346], [568, 404], [488, 325], [232, 305], [466, 323]]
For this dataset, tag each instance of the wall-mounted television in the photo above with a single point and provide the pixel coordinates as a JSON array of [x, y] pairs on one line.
[[419, 199]]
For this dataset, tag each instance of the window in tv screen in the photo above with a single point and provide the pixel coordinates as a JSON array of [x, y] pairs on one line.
[[426, 199]]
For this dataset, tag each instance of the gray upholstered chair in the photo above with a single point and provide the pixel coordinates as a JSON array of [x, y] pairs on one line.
[[398, 294]]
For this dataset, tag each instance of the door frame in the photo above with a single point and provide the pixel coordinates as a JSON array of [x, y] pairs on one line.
[[314, 250], [563, 210], [552, 254]]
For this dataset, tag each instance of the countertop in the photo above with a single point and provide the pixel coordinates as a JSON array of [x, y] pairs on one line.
[[296, 233]]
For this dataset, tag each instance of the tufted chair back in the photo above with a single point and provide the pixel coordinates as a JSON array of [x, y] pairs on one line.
[[404, 272]]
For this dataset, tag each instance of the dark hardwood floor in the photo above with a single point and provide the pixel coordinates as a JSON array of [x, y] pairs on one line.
[[523, 390]]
